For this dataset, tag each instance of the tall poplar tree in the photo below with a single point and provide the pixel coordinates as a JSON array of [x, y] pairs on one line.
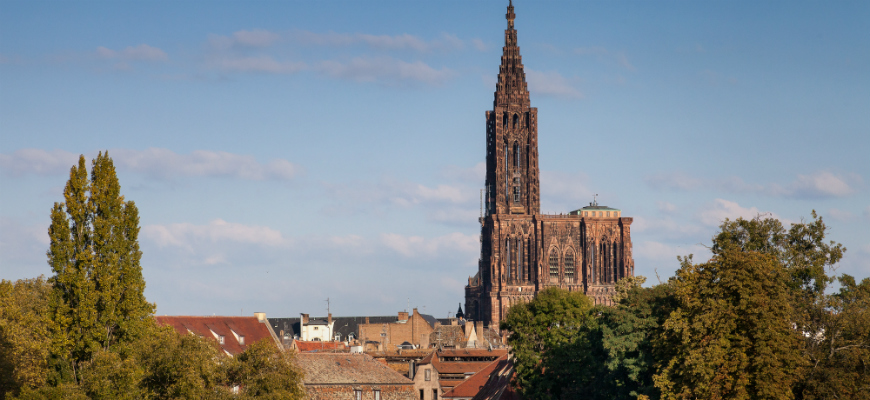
[[97, 300]]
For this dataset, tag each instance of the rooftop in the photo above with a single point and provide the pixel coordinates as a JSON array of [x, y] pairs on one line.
[[346, 368]]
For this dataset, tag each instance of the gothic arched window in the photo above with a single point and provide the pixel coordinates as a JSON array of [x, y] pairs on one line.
[[519, 259], [569, 267], [554, 266], [507, 246], [516, 155], [516, 120]]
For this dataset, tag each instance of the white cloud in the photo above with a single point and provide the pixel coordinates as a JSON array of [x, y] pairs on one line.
[[666, 227], [478, 44], [187, 235], [261, 63], [164, 163], [154, 162], [841, 215], [417, 246], [822, 184], [474, 175], [713, 214], [385, 70], [37, 161], [255, 38], [666, 207], [380, 42], [552, 83], [142, 52]]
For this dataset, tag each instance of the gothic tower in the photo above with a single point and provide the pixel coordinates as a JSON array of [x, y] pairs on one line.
[[523, 251]]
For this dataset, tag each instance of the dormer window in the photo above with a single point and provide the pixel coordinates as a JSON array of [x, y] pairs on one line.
[[221, 339], [241, 339]]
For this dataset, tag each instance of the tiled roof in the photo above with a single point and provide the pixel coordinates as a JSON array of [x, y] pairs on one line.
[[313, 346], [343, 325], [472, 385], [498, 387], [346, 368], [248, 327]]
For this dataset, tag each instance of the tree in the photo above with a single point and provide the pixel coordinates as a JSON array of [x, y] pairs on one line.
[[24, 334], [553, 343], [97, 297], [264, 371], [733, 331], [631, 337], [839, 352]]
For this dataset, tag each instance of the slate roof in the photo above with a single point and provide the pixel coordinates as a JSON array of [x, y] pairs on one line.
[[471, 386], [346, 368], [252, 329]]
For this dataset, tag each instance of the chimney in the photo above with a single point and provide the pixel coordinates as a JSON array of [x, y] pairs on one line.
[[329, 319], [367, 319], [478, 326], [411, 369], [403, 315], [304, 319], [415, 311], [261, 316]]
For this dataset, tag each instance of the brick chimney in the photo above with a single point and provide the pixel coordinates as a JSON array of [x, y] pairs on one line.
[[329, 318], [367, 319], [304, 319], [403, 315]]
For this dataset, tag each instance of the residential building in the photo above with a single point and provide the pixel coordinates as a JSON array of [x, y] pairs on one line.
[[233, 334], [338, 376], [443, 370]]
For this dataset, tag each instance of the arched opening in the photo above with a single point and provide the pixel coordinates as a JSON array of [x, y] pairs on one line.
[[520, 261], [508, 266], [569, 267], [505, 120], [527, 119], [554, 266], [516, 120], [516, 155]]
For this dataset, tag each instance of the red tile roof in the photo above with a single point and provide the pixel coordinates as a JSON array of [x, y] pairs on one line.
[[469, 387], [310, 346], [498, 387], [346, 368], [249, 328]]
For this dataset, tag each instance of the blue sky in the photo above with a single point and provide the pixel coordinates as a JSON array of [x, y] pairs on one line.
[[284, 152]]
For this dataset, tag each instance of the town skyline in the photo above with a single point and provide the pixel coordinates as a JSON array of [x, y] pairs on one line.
[[284, 154]]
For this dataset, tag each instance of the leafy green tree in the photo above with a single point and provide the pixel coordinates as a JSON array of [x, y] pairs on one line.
[[97, 300], [839, 351], [179, 366], [733, 330], [264, 371], [24, 334], [109, 376], [553, 343], [631, 337]]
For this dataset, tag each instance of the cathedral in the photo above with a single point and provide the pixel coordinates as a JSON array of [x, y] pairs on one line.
[[523, 251]]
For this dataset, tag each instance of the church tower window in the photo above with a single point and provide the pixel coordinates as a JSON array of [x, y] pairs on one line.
[[554, 266], [569, 267], [520, 259]]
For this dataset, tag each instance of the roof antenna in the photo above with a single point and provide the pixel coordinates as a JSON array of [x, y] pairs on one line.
[[327, 305], [595, 199]]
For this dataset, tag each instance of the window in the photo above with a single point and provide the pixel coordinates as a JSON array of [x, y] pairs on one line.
[[507, 247], [516, 120], [221, 339], [421, 394], [516, 194], [435, 391], [337, 337], [428, 376], [516, 155], [554, 266], [569, 267], [241, 340], [377, 394], [357, 394], [519, 259], [315, 328]]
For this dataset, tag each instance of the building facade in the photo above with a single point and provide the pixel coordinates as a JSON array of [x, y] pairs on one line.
[[522, 250]]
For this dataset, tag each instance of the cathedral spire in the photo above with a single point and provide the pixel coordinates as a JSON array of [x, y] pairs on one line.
[[511, 88]]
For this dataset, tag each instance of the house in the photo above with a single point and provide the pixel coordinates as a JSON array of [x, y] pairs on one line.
[[471, 386], [461, 334], [498, 387], [353, 377], [344, 329], [233, 334], [445, 369], [413, 328]]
